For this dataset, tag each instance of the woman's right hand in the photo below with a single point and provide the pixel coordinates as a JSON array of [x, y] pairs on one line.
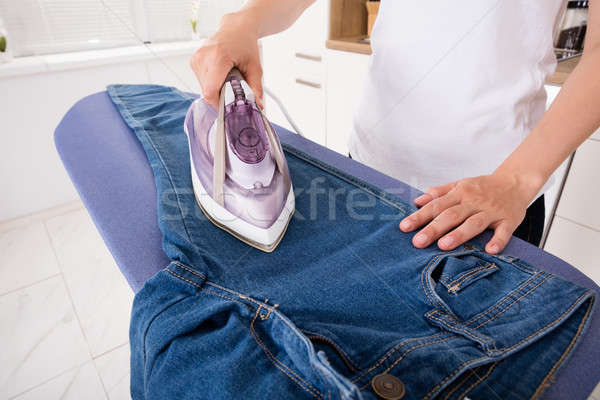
[[235, 44]]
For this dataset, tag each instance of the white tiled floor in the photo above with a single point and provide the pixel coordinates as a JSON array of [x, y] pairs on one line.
[[65, 310]]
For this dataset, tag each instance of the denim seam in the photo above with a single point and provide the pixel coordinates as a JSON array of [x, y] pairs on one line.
[[271, 309], [349, 360], [503, 310], [279, 364], [478, 382], [487, 344], [459, 384], [460, 280], [456, 371], [548, 326], [191, 271], [542, 384], [395, 349], [175, 274], [375, 191], [409, 350], [425, 281], [116, 97], [508, 297], [212, 292], [156, 316], [271, 357], [509, 348]]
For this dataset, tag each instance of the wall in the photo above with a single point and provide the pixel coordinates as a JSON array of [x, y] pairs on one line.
[[35, 92]]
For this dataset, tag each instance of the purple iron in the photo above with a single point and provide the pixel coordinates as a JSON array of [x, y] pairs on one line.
[[239, 173]]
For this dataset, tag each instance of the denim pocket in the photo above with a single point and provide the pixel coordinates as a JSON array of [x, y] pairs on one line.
[[458, 273], [466, 282]]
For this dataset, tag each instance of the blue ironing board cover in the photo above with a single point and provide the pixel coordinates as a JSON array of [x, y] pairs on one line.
[[111, 173]]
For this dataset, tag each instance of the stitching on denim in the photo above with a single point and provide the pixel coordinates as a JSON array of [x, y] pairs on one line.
[[531, 290], [348, 360], [425, 281], [545, 328], [116, 97], [473, 335], [460, 280], [507, 297], [212, 292], [450, 282], [478, 381], [459, 384], [542, 384], [175, 274], [395, 349], [457, 370], [191, 271], [557, 320], [375, 191], [147, 328], [280, 365], [409, 350]]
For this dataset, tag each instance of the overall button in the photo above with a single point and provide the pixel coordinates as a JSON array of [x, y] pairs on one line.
[[388, 387]]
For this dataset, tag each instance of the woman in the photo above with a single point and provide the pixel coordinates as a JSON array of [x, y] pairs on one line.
[[454, 104]]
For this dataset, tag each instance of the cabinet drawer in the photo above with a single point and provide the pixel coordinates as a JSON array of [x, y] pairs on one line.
[[576, 245], [307, 107], [579, 200]]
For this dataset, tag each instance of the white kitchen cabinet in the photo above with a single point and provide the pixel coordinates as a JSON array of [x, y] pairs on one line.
[[346, 76], [575, 244], [294, 70]]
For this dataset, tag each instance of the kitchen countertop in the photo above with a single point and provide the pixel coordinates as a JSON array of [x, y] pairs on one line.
[[353, 44]]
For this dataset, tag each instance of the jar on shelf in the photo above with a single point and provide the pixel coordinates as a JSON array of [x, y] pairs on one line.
[[570, 38]]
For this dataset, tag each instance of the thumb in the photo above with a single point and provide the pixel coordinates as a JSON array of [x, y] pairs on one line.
[[253, 75]]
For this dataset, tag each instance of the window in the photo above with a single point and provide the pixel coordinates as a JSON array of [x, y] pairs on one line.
[[53, 26]]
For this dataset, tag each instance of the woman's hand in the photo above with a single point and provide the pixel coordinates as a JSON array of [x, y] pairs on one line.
[[235, 44], [458, 211]]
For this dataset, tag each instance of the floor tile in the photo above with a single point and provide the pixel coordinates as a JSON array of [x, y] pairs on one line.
[[39, 336], [78, 383], [100, 294], [26, 257], [41, 216], [113, 368]]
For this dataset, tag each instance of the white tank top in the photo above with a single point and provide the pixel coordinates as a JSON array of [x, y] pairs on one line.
[[453, 87]]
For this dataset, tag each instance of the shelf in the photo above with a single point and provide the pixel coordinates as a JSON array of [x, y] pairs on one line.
[[351, 44]]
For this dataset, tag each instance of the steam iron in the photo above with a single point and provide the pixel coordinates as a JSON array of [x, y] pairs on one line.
[[239, 173]]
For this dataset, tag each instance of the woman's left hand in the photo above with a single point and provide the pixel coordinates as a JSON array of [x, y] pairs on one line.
[[459, 211]]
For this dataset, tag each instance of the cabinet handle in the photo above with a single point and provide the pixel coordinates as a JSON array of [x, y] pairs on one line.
[[308, 57], [308, 83]]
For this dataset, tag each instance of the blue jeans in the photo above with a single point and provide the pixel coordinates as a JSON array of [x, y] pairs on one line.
[[344, 308]]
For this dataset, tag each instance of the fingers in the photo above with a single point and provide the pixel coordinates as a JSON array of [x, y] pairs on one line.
[[470, 228], [253, 75], [446, 220], [213, 78], [427, 213], [502, 235], [433, 193]]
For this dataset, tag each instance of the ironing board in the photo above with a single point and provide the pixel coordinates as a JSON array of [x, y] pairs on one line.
[[111, 173]]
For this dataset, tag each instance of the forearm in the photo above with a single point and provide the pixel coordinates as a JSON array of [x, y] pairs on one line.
[[573, 116], [267, 17]]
